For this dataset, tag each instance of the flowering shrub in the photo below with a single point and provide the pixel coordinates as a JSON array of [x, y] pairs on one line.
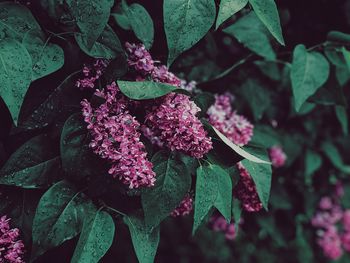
[[185, 131]]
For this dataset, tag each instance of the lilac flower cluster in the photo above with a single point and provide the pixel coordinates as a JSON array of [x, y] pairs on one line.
[[91, 74], [219, 224], [116, 137], [175, 124], [333, 226], [172, 120], [235, 127], [139, 58], [245, 191], [11, 247], [277, 156], [184, 208]]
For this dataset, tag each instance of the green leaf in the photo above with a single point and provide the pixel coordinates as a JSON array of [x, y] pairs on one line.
[[16, 20], [240, 151], [334, 156], [213, 189], [78, 160], [338, 37], [236, 211], [95, 239], [261, 175], [144, 90], [107, 46], [91, 17], [185, 23], [61, 103], [310, 70], [267, 12], [145, 242], [346, 55], [257, 96], [249, 31], [15, 74], [172, 184], [265, 135], [46, 57], [33, 165], [120, 16], [141, 23], [59, 217], [342, 117], [313, 162], [228, 8]]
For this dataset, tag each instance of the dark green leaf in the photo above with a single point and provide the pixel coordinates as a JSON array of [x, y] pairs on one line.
[[33, 165], [236, 211], [59, 217], [144, 90], [78, 160], [310, 70], [313, 162], [339, 37], [257, 97], [213, 189], [145, 241], [267, 12], [228, 8], [141, 23], [185, 23], [346, 55], [251, 33], [95, 239], [16, 20], [342, 118], [15, 74], [107, 46], [61, 103], [334, 156], [91, 17], [172, 184], [46, 57], [261, 175]]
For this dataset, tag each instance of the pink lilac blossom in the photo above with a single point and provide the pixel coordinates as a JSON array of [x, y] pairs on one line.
[[175, 124], [91, 74], [116, 137], [330, 237], [345, 237], [184, 208], [163, 75], [172, 122], [189, 86], [219, 224], [234, 126], [139, 58], [330, 241], [11, 247], [245, 191], [277, 156]]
